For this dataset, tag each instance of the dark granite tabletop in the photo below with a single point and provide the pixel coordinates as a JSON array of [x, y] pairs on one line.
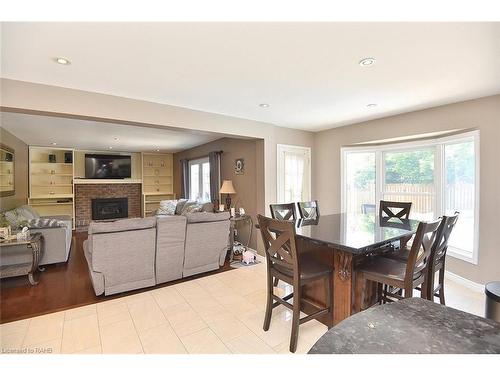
[[355, 233], [411, 326]]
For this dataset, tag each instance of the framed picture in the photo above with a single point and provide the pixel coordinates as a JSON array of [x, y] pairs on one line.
[[239, 166]]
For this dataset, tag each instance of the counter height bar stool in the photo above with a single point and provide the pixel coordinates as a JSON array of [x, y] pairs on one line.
[[308, 210], [285, 211], [437, 258], [284, 263], [405, 276]]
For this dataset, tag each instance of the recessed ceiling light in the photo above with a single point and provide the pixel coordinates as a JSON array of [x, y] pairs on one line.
[[264, 105], [110, 147], [116, 138], [54, 143], [62, 61], [367, 61], [371, 105], [157, 150]]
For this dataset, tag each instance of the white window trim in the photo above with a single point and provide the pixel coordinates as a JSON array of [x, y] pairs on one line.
[[280, 181], [200, 162], [439, 172]]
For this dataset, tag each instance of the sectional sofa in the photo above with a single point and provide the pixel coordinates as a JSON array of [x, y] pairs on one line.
[[137, 253]]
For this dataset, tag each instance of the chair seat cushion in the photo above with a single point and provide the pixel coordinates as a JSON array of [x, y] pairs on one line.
[[401, 255], [383, 267], [310, 268]]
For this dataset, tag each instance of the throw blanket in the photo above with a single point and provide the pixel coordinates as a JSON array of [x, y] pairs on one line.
[[44, 223]]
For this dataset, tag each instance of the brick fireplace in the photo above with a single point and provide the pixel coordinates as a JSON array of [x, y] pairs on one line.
[[85, 193]]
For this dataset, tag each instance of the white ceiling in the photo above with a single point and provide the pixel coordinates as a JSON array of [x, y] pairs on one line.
[[92, 135], [307, 72]]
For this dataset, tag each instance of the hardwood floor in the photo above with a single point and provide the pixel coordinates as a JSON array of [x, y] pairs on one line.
[[62, 286]]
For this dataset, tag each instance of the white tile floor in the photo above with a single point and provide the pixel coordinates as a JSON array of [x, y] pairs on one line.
[[222, 313]]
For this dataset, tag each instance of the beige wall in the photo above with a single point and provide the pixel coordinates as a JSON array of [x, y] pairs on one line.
[[64, 102], [21, 171], [483, 114], [245, 184]]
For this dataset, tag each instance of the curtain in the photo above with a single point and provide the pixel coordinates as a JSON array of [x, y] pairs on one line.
[[214, 158], [185, 178]]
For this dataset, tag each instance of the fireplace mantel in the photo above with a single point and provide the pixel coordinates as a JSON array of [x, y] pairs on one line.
[[99, 181]]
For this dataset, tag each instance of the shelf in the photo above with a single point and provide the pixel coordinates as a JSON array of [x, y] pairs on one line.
[[157, 175], [6, 174], [53, 185], [156, 193], [54, 196], [156, 201], [48, 162], [156, 184], [52, 204], [51, 174]]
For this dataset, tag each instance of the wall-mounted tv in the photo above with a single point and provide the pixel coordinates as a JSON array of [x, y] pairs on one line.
[[107, 166]]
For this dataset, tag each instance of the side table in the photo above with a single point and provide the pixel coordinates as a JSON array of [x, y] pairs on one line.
[[247, 219], [34, 245]]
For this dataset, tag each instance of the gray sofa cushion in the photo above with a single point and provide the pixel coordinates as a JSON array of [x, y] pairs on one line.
[[122, 225], [203, 217], [207, 207]]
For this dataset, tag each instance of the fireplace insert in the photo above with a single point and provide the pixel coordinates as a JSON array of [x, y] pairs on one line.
[[109, 208]]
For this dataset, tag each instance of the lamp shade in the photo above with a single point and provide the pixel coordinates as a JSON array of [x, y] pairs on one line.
[[227, 187]]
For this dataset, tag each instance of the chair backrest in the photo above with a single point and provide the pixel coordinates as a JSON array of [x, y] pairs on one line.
[[279, 242], [445, 228], [420, 253], [308, 210], [285, 211], [399, 210]]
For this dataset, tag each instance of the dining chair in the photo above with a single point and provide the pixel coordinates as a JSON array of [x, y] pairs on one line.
[[437, 258], [404, 276], [399, 210], [308, 210], [285, 263], [284, 211]]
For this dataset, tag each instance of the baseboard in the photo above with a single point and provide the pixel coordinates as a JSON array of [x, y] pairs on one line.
[[476, 287]]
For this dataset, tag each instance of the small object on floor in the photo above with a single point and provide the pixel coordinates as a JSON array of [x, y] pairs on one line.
[[248, 257]]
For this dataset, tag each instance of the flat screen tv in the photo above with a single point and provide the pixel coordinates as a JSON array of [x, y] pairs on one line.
[[107, 166]]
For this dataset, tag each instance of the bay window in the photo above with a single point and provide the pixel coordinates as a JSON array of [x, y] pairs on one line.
[[438, 176]]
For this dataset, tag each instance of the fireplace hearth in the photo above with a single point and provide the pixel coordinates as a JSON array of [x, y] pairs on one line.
[[109, 208]]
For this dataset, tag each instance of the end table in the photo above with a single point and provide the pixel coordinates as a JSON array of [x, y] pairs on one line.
[[34, 244], [247, 219]]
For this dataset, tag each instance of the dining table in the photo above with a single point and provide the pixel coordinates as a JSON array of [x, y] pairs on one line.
[[343, 241]]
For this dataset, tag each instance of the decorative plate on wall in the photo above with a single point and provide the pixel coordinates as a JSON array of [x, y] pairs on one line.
[[239, 166]]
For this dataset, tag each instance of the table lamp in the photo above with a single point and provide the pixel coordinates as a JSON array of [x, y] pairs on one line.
[[228, 189]]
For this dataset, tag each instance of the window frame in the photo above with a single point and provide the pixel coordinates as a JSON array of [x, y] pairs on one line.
[[438, 144], [280, 183], [200, 162]]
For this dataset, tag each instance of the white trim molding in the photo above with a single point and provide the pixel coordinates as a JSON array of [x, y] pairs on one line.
[[476, 287]]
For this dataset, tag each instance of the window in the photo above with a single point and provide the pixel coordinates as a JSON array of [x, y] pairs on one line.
[[199, 180], [294, 174], [438, 176]]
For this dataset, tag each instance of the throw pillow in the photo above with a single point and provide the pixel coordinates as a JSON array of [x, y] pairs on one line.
[[208, 207], [180, 206], [167, 207], [195, 207], [44, 223]]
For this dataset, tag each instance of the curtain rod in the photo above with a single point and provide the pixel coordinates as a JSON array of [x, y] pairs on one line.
[[199, 157]]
